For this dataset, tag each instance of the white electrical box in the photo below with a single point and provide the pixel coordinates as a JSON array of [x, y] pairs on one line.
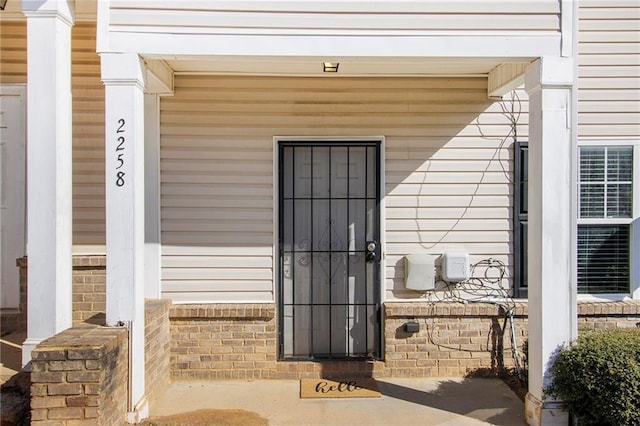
[[455, 267], [419, 272]]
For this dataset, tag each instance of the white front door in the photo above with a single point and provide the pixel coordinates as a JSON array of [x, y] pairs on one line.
[[329, 237]]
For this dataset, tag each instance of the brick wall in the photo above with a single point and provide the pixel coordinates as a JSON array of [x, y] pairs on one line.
[[609, 314], [89, 289], [79, 377], [240, 342], [454, 339], [157, 342], [223, 341]]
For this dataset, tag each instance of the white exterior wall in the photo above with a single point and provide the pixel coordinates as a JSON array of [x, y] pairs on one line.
[[13, 51], [88, 124], [360, 29], [445, 188], [609, 70], [333, 17], [609, 90], [88, 143]]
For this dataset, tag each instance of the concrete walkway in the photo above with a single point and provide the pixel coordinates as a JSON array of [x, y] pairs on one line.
[[403, 402]]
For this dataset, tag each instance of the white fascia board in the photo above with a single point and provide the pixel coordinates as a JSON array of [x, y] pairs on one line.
[[445, 46]]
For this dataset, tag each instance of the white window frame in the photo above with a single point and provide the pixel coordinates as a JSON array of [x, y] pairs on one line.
[[633, 221]]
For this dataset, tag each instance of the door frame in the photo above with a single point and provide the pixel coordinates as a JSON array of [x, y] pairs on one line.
[[276, 223]]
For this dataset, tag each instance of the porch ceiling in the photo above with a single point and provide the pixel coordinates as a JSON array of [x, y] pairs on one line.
[[349, 66]]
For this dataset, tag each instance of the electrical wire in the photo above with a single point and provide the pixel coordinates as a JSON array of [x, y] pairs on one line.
[[485, 285]]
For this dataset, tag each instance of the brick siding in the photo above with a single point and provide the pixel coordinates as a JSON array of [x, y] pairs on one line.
[[88, 292], [79, 377], [454, 340], [609, 314], [157, 342], [89, 289], [223, 341]]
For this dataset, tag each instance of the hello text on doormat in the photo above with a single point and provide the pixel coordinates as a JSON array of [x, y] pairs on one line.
[[346, 388]]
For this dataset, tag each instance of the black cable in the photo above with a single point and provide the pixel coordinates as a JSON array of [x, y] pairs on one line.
[[485, 285]]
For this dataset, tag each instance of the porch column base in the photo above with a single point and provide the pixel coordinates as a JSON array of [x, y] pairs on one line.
[[547, 413], [27, 347], [140, 411]]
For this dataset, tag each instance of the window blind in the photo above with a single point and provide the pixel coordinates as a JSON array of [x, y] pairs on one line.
[[603, 258]]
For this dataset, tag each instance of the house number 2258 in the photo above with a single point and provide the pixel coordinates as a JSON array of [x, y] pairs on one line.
[[120, 131]]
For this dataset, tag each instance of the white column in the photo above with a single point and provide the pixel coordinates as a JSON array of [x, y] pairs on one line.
[[123, 76], [552, 290], [48, 170], [152, 257]]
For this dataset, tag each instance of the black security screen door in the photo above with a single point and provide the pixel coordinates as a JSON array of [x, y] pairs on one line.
[[329, 250]]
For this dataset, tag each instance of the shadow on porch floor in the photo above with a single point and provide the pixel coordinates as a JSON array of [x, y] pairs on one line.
[[470, 401]]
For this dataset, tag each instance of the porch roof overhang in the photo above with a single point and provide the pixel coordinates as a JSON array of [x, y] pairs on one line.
[[503, 73], [350, 66], [248, 39]]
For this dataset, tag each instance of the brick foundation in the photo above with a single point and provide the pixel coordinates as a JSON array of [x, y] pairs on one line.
[[223, 341], [88, 291], [79, 377], [609, 314], [157, 342], [454, 340]]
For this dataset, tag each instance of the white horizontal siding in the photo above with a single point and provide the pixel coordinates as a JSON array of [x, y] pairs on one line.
[[299, 30], [333, 17], [609, 69], [448, 170], [348, 6], [88, 139], [88, 122], [13, 52]]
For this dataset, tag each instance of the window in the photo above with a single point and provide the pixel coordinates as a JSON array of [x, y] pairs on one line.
[[608, 206], [605, 215], [521, 160]]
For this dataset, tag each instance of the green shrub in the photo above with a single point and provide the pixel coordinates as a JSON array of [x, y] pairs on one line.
[[598, 377]]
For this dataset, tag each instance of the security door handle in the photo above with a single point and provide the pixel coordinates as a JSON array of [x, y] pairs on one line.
[[373, 251]]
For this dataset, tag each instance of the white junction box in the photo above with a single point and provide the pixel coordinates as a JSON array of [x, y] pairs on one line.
[[419, 272], [455, 267]]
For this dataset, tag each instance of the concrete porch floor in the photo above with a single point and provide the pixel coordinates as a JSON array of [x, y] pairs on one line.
[[404, 402], [10, 354]]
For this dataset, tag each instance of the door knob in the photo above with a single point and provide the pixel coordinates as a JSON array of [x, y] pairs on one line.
[[373, 251]]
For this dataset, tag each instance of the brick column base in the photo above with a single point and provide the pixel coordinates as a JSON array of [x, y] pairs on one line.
[[79, 376]]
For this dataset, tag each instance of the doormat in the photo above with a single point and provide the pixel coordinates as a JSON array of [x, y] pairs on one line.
[[345, 388]]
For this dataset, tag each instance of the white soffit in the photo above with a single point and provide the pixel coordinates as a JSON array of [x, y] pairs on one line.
[[348, 66]]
